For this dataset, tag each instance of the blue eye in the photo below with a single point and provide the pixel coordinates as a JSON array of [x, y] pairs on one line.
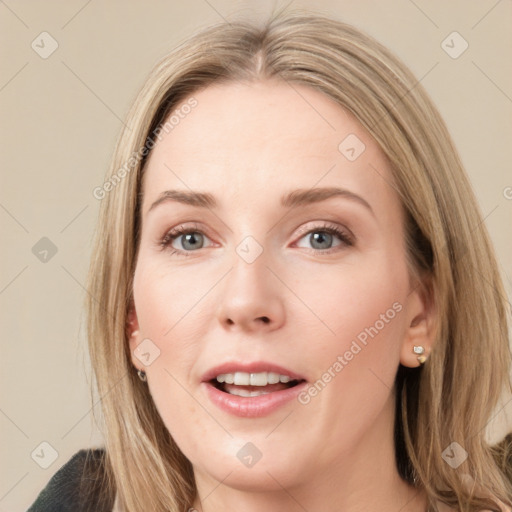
[[192, 239], [189, 237], [324, 235]]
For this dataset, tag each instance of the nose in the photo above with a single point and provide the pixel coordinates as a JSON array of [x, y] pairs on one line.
[[252, 297]]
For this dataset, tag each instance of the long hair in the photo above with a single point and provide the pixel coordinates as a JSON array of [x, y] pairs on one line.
[[448, 400]]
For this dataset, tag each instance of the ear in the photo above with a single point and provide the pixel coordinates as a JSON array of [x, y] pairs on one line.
[[421, 325], [133, 333]]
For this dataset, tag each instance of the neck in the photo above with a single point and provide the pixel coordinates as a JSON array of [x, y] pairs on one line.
[[364, 478]]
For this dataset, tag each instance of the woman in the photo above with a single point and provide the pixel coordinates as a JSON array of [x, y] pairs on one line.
[[337, 339]]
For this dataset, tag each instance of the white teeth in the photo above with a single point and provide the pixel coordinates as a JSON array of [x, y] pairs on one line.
[[258, 379], [242, 379], [272, 378], [253, 379]]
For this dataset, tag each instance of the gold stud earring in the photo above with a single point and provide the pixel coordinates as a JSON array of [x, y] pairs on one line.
[[418, 349]]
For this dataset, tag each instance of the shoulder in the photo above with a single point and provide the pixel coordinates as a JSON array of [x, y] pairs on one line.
[[77, 486]]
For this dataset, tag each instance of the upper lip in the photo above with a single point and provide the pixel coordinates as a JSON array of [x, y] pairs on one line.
[[249, 367]]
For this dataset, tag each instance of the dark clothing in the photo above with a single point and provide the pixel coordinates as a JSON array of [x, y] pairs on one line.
[[77, 486]]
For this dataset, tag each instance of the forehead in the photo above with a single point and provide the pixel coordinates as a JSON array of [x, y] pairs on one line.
[[243, 139]]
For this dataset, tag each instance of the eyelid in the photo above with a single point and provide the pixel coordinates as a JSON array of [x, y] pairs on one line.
[[344, 234], [304, 230], [346, 237], [176, 232]]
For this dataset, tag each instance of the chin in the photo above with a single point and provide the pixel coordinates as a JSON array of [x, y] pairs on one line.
[[269, 473], [256, 479]]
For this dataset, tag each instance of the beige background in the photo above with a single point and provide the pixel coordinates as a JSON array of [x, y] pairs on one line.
[[60, 117]]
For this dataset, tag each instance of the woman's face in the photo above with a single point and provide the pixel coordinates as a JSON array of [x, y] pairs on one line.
[[261, 284]]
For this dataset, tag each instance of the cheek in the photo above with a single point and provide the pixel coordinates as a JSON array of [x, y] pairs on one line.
[[161, 297], [167, 304], [356, 351], [167, 301], [360, 316], [354, 297]]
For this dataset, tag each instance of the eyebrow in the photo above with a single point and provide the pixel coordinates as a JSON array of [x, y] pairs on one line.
[[293, 199]]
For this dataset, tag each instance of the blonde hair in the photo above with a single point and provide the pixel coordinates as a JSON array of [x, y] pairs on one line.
[[451, 398]]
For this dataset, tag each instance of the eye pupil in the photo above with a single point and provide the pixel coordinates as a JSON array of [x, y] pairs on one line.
[[321, 236], [190, 238]]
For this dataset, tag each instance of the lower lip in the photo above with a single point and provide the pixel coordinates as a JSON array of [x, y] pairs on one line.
[[254, 406]]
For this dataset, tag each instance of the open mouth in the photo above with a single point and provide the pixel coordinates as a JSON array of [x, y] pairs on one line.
[[258, 391], [252, 385]]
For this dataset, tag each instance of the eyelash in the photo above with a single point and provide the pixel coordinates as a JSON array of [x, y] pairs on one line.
[[332, 229]]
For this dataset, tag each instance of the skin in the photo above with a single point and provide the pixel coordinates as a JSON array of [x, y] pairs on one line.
[[248, 144]]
